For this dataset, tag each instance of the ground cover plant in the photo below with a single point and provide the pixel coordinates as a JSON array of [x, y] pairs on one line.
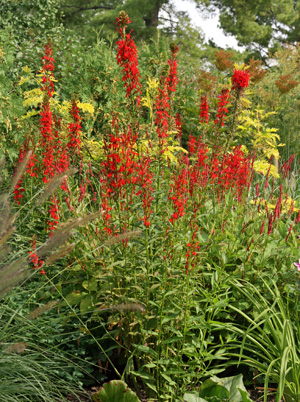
[[172, 207]]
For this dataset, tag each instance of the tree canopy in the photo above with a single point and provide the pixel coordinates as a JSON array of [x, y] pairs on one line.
[[88, 15], [259, 25]]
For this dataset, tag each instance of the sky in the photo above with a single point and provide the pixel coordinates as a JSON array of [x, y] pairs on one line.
[[209, 26]]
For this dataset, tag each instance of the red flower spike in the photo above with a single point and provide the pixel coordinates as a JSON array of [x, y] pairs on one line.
[[54, 214], [240, 79], [48, 67], [289, 233], [222, 109], [178, 125], [162, 105], [36, 261], [262, 228], [172, 79], [127, 59], [204, 113]]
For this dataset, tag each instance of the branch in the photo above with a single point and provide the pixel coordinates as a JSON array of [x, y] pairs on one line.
[[79, 9], [167, 19]]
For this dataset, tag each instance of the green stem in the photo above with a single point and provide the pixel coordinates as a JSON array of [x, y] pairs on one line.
[[186, 310]]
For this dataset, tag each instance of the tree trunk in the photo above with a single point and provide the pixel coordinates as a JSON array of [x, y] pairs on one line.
[[151, 19]]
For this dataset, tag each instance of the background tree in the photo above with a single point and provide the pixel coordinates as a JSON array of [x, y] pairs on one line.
[[89, 16], [260, 26]]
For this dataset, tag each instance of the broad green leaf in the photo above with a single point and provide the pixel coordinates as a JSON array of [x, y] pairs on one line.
[[115, 391]]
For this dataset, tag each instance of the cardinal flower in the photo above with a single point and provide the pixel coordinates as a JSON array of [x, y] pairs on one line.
[[240, 79]]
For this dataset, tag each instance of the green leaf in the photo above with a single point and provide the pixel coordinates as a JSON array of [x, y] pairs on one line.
[[211, 387], [86, 305], [168, 379], [193, 398], [90, 285], [73, 298], [115, 391]]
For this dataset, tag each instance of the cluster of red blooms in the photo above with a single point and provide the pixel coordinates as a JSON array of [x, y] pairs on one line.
[[204, 114], [222, 109], [234, 172], [19, 189], [172, 79], [178, 125], [49, 155], [47, 141], [200, 170], [127, 58], [286, 167], [240, 79], [48, 67], [36, 261], [273, 216], [179, 193], [224, 171], [46, 122], [54, 214], [145, 178], [162, 105], [124, 173]]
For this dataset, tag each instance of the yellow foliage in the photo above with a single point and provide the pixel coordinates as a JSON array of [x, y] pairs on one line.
[[285, 205], [23, 80], [241, 66], [33, 97], [262, 166], [171, 149], [86, 107], [151, 92], [30, 114], [262, 139], [94, 148], [27, 70]]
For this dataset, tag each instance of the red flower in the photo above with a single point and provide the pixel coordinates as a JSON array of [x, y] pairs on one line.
[[162, 105], [240, 79], [278, 208], [204, 114], [178, 194], [192, 144], [36, 261], [48, 67], [18, 188], [144, 180], [172, 79], [222, 109], [74, 129], [127, 58], [54, 213], [123, 20], [286, 167]]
